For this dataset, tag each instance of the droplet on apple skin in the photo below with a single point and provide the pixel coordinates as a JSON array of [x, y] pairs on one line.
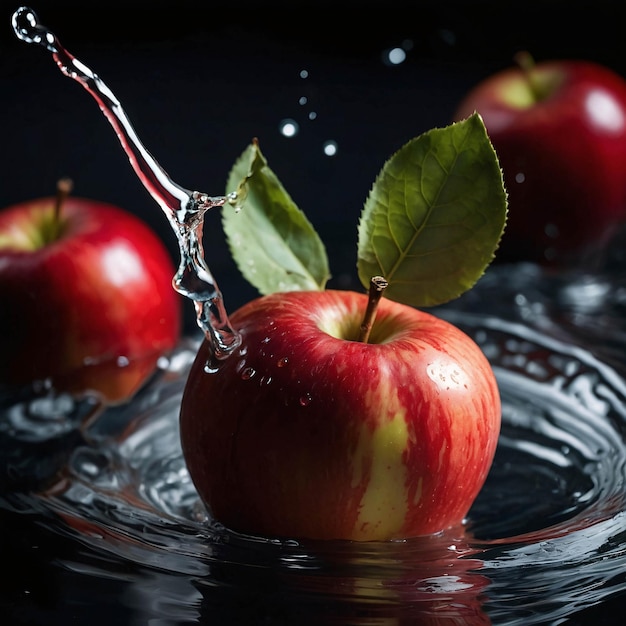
[[247, 373], [305, 399]]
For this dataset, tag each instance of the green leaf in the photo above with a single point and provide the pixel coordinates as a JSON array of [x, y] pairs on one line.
[[435, 215], [273, 244]]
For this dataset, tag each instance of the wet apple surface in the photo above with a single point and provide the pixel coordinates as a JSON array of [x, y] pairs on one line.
[[307, 432]]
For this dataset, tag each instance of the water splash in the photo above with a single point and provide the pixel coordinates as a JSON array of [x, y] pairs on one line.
[[184, 209], [545, 539]]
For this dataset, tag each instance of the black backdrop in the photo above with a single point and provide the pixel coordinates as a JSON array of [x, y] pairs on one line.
[[199, 80]]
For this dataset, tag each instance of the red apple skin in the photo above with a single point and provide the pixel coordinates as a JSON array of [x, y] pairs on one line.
[[304, 433], [91, 311], [563, 156]]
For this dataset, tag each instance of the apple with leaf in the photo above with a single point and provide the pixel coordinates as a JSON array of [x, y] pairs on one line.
[[336, 414], [346, 415]]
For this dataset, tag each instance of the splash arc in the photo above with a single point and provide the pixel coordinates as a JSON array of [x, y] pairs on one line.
[[184, 209]]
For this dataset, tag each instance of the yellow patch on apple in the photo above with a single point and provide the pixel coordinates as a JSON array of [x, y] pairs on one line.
[[383, 504]]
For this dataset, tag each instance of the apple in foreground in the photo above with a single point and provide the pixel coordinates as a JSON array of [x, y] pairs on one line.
[[87, 298], [559, 129], [307, 432]]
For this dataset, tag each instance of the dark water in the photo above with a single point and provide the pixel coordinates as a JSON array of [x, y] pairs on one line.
[[545, 539]]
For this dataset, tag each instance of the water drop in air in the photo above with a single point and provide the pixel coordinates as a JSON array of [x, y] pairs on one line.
[[395, 56], [289, 128], [330, 148]]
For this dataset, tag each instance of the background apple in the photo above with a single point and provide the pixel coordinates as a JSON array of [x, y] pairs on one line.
[[87, 300], [306, 432], [559, 129]]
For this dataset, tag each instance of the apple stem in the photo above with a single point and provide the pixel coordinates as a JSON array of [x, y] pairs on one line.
[[64, 188], [525, 61], [378, 284]]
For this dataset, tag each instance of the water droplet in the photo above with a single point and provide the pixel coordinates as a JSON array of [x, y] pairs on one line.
[[289, 128], [92, 464], [211, 368], [305, 399], [53, 407], [551, 230], [394, 56], [163, 362], [304, 74], [123, 361], [282, 362], [303, 100], [330, 148], [248, 373]]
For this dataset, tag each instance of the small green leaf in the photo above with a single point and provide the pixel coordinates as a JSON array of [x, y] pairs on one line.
[[435, 215], [273, 244]]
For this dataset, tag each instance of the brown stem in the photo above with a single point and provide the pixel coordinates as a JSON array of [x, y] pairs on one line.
[[378, 284], [64, 188]]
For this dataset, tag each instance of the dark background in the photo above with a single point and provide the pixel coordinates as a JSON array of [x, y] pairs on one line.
[[199, 80]]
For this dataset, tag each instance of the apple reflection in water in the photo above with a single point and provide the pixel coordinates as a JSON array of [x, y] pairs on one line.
[[430, 581]]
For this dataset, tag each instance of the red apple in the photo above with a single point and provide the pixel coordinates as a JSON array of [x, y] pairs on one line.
[[87, 298], [559, 129], [306, 432]]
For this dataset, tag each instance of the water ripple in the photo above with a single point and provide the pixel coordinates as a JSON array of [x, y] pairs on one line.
[[545, 538]]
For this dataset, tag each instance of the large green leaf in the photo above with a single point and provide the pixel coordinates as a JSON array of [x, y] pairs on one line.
[[274, 245], [435, 215]]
